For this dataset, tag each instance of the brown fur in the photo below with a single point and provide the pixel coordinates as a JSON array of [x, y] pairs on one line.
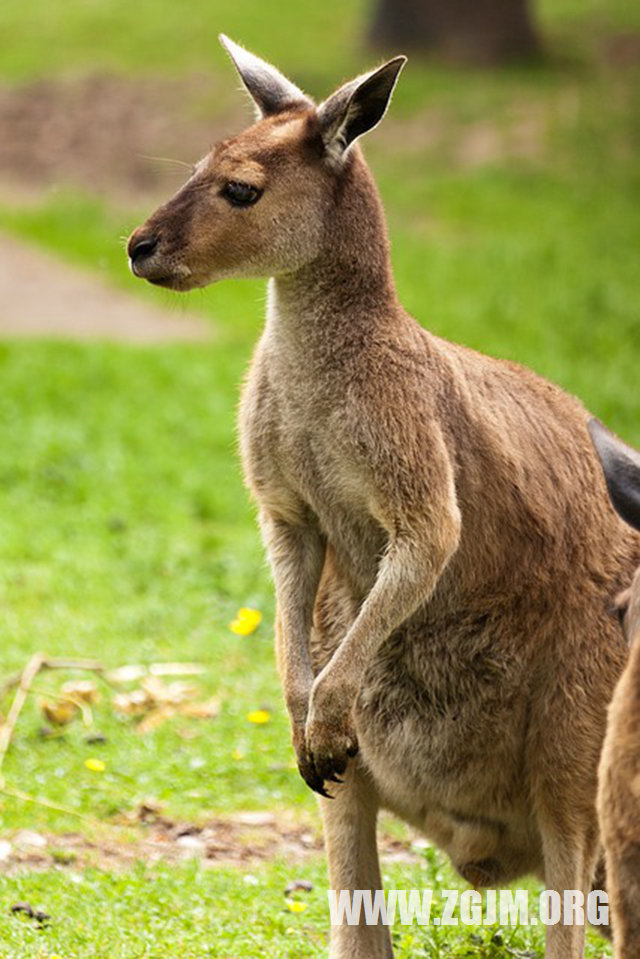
[[619, 775], [436, 521]]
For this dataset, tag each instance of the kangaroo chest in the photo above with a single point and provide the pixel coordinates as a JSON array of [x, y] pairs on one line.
[[297, 450]]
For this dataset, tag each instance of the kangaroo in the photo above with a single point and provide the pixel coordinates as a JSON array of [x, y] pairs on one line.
[[436, 521], [619, 792]]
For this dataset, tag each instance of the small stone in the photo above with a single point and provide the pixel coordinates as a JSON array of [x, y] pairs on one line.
[[42, 918], [298, 885], [419, 845], [188, 830], [25, 907], [255, 818], [47, 732], [27, 837], [192, 845]]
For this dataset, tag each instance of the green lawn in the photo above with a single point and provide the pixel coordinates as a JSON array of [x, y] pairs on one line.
[[125, 531], [193, 912]]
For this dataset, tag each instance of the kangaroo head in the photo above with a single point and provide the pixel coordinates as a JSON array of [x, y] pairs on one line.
[[260, 203], [621, 465]]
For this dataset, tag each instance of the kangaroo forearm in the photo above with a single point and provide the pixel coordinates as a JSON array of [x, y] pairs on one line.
[[407, 577], [296, 554]]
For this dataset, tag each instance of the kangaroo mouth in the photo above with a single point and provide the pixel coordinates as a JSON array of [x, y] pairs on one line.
[[179, 283], [155, 259], [168, 281], [179, 278]]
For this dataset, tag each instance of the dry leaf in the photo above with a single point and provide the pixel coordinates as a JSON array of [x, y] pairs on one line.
[[173, 693], [135, 703], [60, 712], [83, 689], [156, 700], [155, 718], [176, 669], [133, 673], [208, 709], [126, 674]]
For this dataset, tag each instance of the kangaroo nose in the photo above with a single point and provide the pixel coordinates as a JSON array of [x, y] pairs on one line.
[[140, 247]]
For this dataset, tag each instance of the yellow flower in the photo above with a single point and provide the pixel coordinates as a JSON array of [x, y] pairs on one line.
[[237, 754], [246, 621], [294, 906], [95, 765], [259, 716]]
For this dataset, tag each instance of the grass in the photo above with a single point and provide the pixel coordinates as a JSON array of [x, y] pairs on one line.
[[326, 40], [125, 532], [146, 39], [192, 911], [119, 539]]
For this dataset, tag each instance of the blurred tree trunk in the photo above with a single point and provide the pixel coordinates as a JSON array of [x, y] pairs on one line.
[[466, 31]]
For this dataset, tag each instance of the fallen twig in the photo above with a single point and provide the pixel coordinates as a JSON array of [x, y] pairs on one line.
[[24, 681], [29, 673], [46, 663]]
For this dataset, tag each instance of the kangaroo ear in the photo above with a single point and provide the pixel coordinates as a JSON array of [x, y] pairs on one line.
[[621, 465], [269, 89], [357, 107]]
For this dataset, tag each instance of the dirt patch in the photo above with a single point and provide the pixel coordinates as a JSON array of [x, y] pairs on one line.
[[98, 132], [40, 296], [107, 133], [621, 50], [243, 839], [519, 133], [103, 131]]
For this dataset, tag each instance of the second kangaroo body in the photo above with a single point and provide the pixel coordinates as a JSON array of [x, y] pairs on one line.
[[437, 523], [619, 787]]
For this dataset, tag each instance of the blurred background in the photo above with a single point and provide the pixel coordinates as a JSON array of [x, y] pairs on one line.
[[509, 167]]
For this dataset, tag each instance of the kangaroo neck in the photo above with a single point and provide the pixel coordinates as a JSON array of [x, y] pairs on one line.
[[348, 290]]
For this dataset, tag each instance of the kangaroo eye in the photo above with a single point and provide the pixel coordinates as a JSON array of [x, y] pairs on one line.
[[241, 194]]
